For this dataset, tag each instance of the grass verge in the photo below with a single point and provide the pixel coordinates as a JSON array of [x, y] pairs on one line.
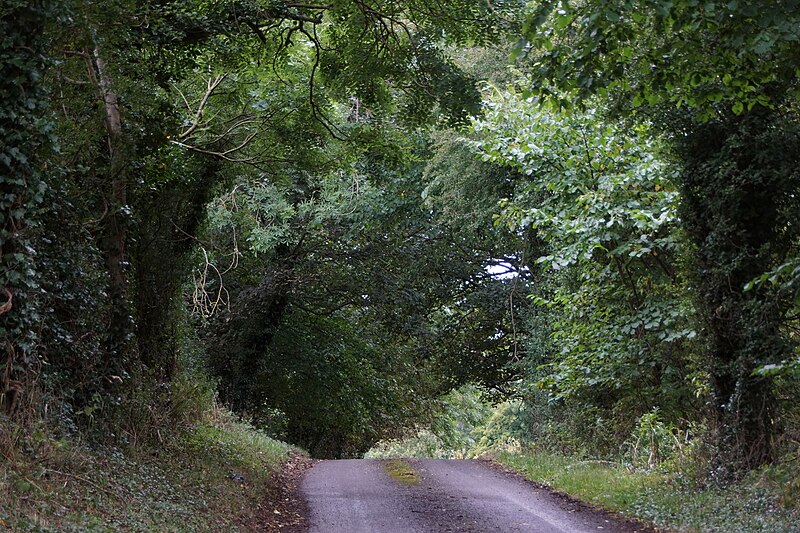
[[760, 503], [213, 477]]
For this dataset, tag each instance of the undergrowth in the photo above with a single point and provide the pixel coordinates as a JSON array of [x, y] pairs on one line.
[[212, 476], [763, 502]]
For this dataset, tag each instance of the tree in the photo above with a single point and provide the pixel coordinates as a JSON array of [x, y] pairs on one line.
[[353, 307], [720, 81], [599, 207], [193, 96], [26, 133]]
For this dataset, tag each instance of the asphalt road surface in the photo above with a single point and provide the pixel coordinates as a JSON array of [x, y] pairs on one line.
[[440, 495]]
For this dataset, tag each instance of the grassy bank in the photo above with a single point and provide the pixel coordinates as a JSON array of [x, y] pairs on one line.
[[216, 476], [764, 502]]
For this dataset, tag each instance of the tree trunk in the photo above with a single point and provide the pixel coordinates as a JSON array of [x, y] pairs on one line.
[[738, 178], [23, 121], [242, 337], [115, 224], [167, 221]]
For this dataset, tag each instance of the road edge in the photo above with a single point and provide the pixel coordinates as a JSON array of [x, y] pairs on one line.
[[633, 523]]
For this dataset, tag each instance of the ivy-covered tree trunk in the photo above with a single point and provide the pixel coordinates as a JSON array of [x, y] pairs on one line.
[[167, 222], [737, 190], [243, 335], [23, 132]]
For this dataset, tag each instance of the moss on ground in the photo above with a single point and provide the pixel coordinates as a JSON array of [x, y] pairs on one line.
[[401, 471]]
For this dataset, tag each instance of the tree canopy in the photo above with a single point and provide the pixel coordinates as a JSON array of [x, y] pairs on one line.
[[336, 214]]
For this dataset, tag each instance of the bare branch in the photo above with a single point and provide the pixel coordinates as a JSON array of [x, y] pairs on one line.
[[221, 155], [73, 81], [80, 53], [183, 96], [205, 303], [211, 86], [244, 143]]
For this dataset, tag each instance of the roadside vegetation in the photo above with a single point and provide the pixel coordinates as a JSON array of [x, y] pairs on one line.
[[765, 501], [220, 474]]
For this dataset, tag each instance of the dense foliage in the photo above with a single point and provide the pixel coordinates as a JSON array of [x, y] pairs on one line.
[[334, 215], [237, 191], [612, 325], [719, 79], [26, 132]]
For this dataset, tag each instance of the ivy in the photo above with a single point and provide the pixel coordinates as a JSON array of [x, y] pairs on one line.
[[26, 131]]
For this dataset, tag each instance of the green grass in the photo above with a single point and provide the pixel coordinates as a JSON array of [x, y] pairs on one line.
[[758, 504], [185, 485]]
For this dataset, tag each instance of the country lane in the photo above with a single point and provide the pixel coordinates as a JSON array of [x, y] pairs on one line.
[[440, 495]]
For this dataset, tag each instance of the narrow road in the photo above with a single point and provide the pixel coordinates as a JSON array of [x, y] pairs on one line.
[[436, 495]]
